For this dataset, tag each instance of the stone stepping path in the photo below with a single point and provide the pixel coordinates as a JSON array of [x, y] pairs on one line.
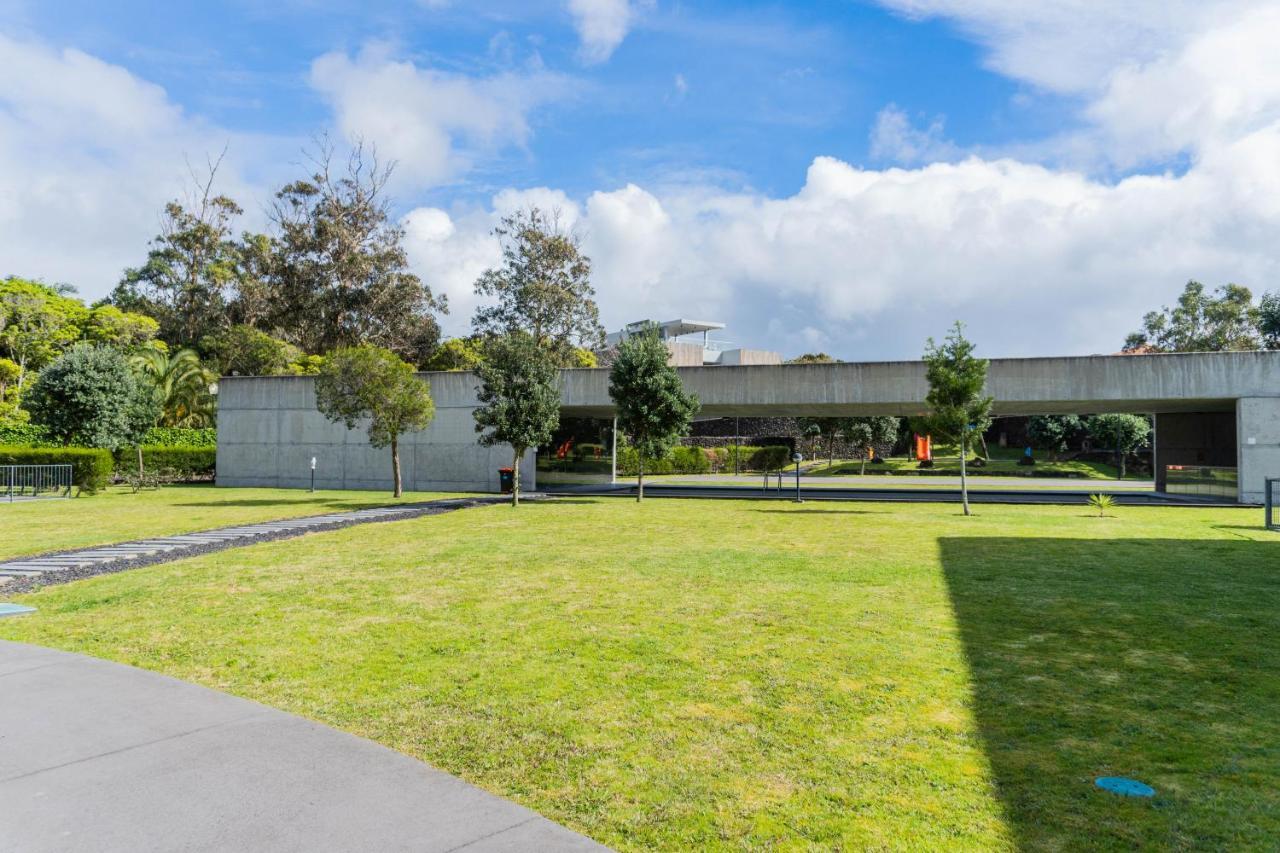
[[26, 572]]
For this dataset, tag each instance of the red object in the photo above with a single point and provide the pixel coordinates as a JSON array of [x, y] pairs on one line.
[[564, 449], [924, 448]]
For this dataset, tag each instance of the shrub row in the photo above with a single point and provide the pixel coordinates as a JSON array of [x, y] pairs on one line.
[[704, 460], [180, 437], [34, 435], [182, 463], [90, 468]]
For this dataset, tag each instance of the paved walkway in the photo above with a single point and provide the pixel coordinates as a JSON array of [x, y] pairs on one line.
[[53, 568], [96, 756]]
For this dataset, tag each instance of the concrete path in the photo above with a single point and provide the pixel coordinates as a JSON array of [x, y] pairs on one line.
[[96, 756], [23, 572]]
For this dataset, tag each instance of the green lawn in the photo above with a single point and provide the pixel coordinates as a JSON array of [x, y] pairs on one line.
[[117, 514], [736, 674]]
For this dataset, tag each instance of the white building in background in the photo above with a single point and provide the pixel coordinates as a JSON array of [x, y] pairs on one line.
[[687, 350]]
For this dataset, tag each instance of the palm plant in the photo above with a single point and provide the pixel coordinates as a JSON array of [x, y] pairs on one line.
[[1101, 503], [182, 386]]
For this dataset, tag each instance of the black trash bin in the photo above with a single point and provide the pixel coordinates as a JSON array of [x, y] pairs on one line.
[[506, 480]]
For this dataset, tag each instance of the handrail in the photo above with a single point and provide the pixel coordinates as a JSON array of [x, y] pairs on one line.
[[29, 482]]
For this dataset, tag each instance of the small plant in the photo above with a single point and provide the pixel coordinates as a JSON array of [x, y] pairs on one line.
[[1101, 503]]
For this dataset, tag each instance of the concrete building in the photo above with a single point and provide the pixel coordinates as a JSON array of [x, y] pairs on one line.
[[687, 350], [1210, 408]]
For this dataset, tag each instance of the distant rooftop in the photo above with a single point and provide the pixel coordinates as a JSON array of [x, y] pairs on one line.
[[675, 328]]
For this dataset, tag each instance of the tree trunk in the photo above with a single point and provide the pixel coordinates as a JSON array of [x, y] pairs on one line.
[[1120, 462], [395, 466], [964, 476], [640, 489], [863, 472], [515, 478], [139, 460]]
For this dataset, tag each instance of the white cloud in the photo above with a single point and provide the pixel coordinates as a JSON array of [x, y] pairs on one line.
[[601, 26], [89, 154], [869, 262], [433, 124], [896, 139]]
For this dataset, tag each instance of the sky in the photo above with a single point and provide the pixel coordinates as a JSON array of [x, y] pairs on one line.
[[849, 177]]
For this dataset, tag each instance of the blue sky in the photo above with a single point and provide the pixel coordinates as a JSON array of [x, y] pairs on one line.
[[848, 176]]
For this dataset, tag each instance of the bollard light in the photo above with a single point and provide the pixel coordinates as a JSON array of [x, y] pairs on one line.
[[797, 458], [313, 473]]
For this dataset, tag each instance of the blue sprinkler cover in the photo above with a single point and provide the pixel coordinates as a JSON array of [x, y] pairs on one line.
[[7, 609], [1124, 787]]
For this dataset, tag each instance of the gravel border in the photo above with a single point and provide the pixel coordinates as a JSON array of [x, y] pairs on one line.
[[19, 585]]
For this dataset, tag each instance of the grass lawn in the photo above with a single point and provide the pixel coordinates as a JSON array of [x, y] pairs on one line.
[[739, 674], [117, 514]]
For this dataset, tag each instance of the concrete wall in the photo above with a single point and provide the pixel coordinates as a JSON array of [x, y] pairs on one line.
[[1258, 445], [268, 430]]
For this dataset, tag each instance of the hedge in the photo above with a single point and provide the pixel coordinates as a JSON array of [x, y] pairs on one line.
[[184, 463], [90, 467], [180, 437], [34, 435]]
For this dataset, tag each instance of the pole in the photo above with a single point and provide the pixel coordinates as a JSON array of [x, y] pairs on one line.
[[798, 498], [613, 463]]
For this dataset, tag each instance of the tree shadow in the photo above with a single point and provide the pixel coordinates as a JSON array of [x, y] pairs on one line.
[[284, 502], [1149, 658], [823, 511]]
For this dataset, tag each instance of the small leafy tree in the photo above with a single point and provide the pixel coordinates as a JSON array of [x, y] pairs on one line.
[[370, 382], [654, 410], [866, 433], [519, 398], [90, 397], [957, 406], [456, 354], [246, 351], [1122, 433], [1269, 320], [1053, 433]]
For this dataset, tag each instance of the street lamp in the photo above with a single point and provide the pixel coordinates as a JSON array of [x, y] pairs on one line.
[[797, 458]]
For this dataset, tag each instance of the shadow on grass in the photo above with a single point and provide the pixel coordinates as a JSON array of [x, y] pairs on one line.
[[1149, 658], [823, 511]]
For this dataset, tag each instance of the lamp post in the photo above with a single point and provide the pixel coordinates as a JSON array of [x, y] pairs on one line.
[[313, 473], [797, 458]]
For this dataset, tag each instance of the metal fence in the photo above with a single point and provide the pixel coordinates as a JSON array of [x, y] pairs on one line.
[[30, 482], [1270, 502], [1203, 480]]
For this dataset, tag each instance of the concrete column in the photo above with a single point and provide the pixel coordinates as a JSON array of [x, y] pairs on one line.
[[1258, 425], [613, 455]]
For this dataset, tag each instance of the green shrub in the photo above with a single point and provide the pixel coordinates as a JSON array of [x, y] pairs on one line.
[[773, 457], [689, 460], [178, 463], [90, 467], [180, 437], [23, 435]]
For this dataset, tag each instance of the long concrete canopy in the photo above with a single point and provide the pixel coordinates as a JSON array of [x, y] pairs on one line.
[[268, 427], [1184, 382]]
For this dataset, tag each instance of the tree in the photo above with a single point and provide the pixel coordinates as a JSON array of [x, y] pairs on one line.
[[123, 330], [369, 382], [192, 268], [90, 397], [245, 351], [866, 433], [456, 354], [543, 288], [519, 398], [339, 275], [957, 406], [37, 324], [1122, 433], [1053, 433], [654, 410], [1200, 322], [181, 385], [816, 429], [9, 411], [1269, 320], [812, 358]]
